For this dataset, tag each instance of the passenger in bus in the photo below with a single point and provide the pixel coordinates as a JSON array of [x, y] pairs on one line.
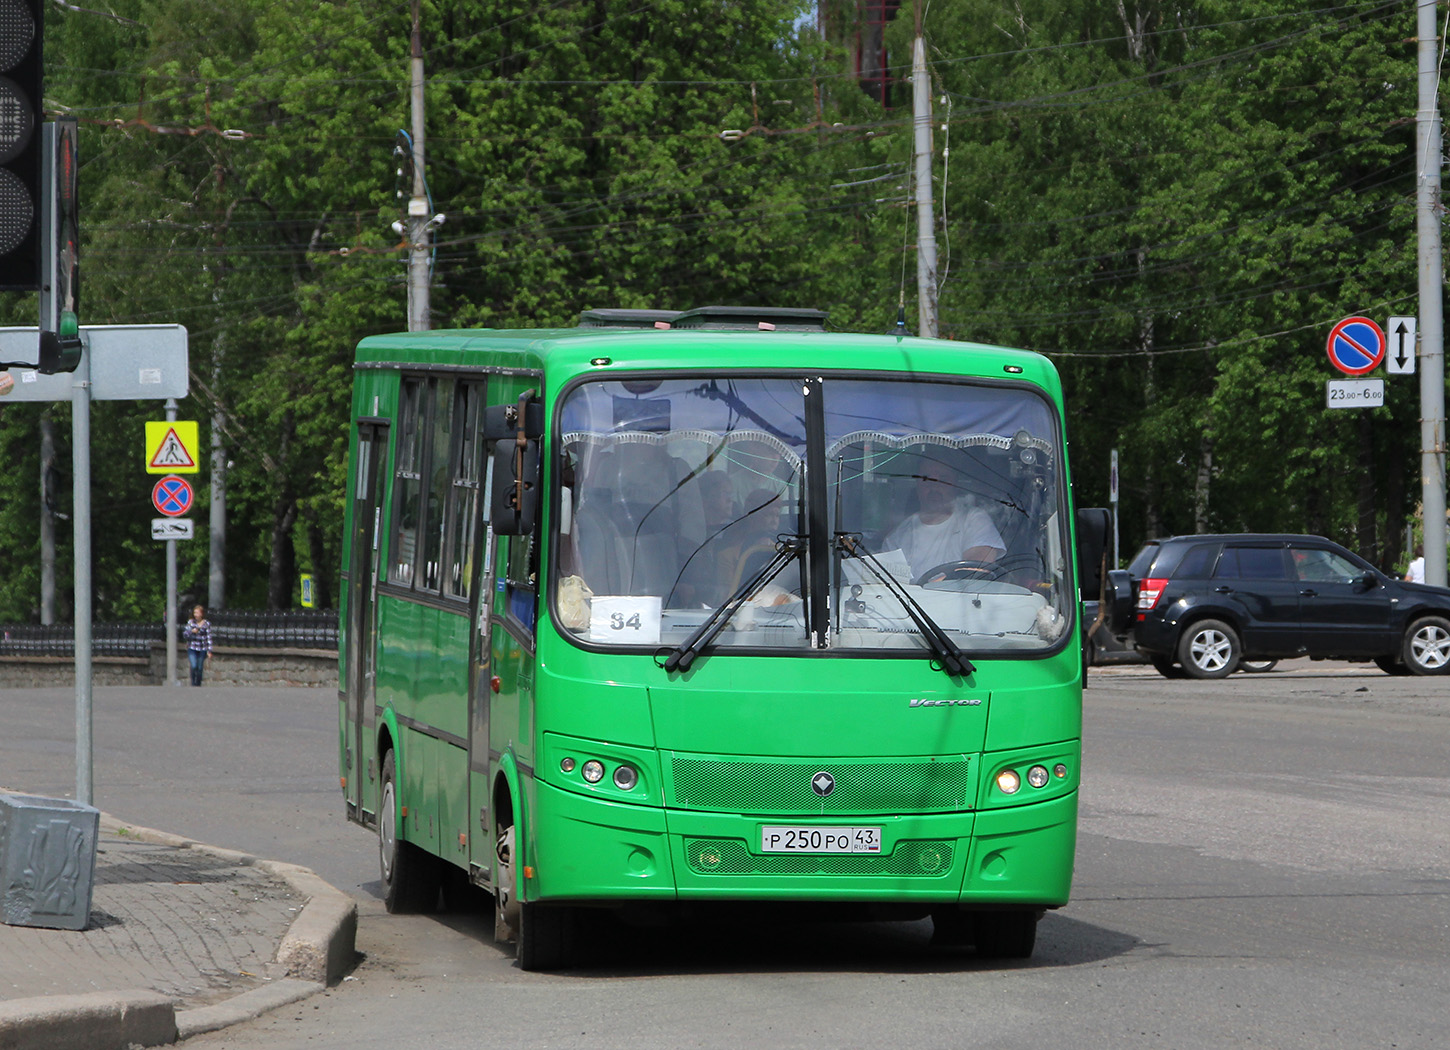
[[733, 553], [698, 583], [752, 544], [945, 529]]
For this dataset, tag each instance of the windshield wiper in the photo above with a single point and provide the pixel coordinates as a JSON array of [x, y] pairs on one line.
[[787, 549], [943, 648]]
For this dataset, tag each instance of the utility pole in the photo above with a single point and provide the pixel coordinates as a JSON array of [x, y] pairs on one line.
[[925, 218], [1432, 334], [420, 221]]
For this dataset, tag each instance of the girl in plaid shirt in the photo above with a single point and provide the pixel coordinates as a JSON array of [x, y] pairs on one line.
[[197, 632]]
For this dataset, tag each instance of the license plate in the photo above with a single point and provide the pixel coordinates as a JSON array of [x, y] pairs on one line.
[[784, 839]]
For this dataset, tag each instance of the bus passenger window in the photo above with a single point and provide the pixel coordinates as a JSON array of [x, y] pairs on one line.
[[520, 581], [463, 494], [439, 433], [407, 484]]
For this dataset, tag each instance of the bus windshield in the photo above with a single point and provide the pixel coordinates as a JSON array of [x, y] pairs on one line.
[[931, 500]]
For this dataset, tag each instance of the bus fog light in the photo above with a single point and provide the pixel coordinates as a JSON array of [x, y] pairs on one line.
[[1008, 781], [567, 765], [593, 771], [1037, 776], [1059, 771], [625, 778]]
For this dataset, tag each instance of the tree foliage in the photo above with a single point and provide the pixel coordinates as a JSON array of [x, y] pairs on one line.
[[1174, 202]]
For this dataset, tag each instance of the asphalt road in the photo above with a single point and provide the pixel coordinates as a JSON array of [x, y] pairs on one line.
[[1263, 861]]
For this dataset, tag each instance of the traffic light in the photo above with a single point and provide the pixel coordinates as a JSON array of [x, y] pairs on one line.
[[60, 242], [21, 85]]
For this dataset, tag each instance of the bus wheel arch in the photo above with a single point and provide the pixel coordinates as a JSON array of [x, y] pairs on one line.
[[544, 936]]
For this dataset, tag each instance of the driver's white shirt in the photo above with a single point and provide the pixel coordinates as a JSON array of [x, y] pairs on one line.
[[927, 546]]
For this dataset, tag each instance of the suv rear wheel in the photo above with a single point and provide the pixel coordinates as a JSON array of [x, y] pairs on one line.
[[1427, 646], [1209, 649]]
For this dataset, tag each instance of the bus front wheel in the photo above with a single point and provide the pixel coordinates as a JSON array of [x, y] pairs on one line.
[[1006, 934], [543, 935], [410, 876]]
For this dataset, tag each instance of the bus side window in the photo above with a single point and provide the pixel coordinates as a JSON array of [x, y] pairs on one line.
[[521, 581], [407, 483], [463, 495], [440, 448]]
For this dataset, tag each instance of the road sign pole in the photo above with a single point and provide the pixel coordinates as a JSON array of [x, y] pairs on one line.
[[81, 531], [171, 678], [1432, 348]]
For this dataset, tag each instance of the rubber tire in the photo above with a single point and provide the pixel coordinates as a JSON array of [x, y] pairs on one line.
[[1257, 666], [1006, 934], [411, 876], [951, 927], [1426, 649], [1167, 668], [1209, 649], [547, 936]]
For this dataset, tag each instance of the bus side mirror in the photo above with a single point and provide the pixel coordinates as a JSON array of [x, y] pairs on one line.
[[1092, 544], [515, 504], [502, 421], [1117, 601]]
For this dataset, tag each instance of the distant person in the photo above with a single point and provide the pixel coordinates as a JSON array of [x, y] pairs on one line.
[[197, 632], [1416, 572], [945, 529]]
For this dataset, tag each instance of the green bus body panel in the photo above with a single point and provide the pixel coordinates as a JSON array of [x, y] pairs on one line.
[[737, 727]]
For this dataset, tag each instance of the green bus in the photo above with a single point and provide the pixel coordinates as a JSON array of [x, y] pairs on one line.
[[714, 607]]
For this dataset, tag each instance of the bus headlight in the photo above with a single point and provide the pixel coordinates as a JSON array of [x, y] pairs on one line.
[[1008, 782], [625, 778], [1037, 776], [592, 771]]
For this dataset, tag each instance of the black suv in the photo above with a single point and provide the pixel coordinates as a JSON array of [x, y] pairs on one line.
[[1203, 604]]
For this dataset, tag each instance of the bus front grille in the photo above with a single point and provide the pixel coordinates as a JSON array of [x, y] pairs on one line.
[[922, 858], [784, 786]]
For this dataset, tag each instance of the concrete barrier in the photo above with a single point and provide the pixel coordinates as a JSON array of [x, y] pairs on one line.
[[228, 666]]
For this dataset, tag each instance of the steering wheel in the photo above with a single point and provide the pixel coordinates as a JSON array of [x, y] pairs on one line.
[[963, 570]]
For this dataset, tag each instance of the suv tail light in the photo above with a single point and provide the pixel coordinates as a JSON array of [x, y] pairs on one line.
[[1149, 591]]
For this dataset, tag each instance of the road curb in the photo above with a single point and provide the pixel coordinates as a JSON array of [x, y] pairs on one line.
[[317, 950], [89, 1021], [243, 1007], [320, 944]]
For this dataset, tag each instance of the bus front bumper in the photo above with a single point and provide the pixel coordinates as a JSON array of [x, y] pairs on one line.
[[587, 849]]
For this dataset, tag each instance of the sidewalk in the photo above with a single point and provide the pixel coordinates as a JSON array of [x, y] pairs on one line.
[[183, 938]]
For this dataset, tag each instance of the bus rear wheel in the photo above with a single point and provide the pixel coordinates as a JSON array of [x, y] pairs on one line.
[[411, 877]]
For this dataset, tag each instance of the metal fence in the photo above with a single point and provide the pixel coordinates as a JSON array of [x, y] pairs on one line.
[[291, 629]]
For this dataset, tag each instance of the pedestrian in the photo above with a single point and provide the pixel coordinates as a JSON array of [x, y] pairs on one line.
[[197, 632], [1416, 572]]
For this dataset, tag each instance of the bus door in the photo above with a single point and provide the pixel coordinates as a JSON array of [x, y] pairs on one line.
[[372, 449], [480, 695], [503, 690]]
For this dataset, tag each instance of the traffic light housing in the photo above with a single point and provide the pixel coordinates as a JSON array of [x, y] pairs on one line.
[[60, 243], [21, 114]]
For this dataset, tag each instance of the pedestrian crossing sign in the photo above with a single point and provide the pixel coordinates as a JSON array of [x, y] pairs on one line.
[[171, 447]]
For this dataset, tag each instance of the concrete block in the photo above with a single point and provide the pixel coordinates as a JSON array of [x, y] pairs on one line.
[[47, 861]]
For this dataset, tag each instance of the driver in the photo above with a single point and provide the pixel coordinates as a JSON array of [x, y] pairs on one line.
[[945, 529]]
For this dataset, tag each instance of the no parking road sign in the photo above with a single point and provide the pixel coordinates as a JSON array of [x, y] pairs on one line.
[[1356, 346], [172, 496]]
